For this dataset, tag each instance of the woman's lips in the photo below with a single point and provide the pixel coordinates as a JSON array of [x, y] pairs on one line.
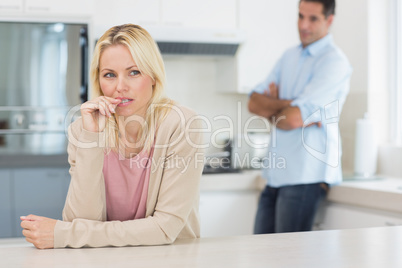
[[125, 102]]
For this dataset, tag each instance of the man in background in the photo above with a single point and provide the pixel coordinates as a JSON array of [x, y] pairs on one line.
[[302, 97]]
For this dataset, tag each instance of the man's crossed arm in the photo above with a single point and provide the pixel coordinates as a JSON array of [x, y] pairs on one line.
[[277, 111]]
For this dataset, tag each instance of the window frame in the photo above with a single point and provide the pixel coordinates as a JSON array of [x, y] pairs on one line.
[[396, 73]]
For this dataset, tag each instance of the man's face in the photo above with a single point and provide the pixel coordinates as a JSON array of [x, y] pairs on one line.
[[313, 25]]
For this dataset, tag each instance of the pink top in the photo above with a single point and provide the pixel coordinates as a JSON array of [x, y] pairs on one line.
[[126, 181]]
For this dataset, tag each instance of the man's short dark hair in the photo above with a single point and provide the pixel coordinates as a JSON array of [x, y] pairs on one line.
[[329, 6]]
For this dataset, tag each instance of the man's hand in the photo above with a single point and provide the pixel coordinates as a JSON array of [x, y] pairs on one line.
[[38, 230], [318, 124], [274, 90], [288, 118], [273, 93], [268, 103]]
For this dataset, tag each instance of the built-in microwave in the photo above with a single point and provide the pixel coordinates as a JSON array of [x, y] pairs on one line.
[[43, 75]]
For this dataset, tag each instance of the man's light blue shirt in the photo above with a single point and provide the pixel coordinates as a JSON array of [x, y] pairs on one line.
[[317, 79]]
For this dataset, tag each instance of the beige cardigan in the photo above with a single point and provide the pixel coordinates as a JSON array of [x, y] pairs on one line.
[[173, 192]]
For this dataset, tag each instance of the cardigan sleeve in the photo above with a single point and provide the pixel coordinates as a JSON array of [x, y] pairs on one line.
[[86, 194], [178, 194]]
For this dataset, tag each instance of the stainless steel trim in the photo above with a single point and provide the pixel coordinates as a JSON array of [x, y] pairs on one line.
[[27, 131], [33, 108]]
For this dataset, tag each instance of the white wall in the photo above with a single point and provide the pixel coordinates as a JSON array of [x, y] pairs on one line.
[[361, 29], [191, 81], [350, 32]]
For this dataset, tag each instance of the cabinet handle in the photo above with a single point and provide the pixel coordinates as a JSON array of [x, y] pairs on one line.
[[38, 8], [388, 223], [10, 7]]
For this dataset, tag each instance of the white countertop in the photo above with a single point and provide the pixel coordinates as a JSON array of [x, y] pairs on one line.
[[362, 248], [381, 192]]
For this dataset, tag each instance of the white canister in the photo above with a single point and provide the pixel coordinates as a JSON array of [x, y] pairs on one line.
[[365, 148]]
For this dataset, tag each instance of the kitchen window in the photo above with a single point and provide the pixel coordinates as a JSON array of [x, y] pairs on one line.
[[396, 75]]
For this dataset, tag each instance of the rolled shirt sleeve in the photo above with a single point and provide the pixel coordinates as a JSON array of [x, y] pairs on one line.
[[327, 90]]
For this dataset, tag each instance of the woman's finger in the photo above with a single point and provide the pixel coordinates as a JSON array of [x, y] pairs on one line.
[[94, 104], [112, 108], [26, 233], [112, 100], [105, 106], [26, 218], [26, 224], [103, 110], [33, 217], [28, 239], [89, 107], [110, 105]]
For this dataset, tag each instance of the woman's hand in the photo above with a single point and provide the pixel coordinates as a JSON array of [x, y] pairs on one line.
[[38, 230], [96, 112]]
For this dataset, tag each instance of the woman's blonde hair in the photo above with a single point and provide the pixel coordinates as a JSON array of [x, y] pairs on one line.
[[149, 61]]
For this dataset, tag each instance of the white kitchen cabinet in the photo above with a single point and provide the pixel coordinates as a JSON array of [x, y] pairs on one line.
[[6, 212], [39, 191], [333, 216], [270, 28], [11, 7], [52, 7], [165, 13], [199, 14], [46, 7], [142, 12], [228, 213]]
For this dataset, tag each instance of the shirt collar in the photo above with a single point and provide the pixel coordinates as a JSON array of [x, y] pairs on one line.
[[318, 45]]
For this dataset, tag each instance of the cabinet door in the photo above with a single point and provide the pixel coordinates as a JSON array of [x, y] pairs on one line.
[[227, 213], [39, 191], [340, 216], [11, 7], [271, 28], [141, 12], [6, 209], [71, 7], [199, 14]]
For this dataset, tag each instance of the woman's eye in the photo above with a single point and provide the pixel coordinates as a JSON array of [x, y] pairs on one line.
[[134, 72], [108, 75]]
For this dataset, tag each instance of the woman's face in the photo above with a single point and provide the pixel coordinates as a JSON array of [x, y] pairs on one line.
[[120, 78]]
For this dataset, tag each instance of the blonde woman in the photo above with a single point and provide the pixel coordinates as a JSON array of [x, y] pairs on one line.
[[135, 156]]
